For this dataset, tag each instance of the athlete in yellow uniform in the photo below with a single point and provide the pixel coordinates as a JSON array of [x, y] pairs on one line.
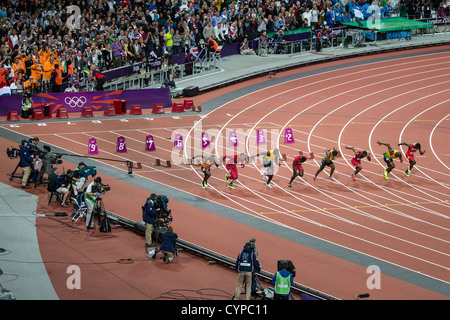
[[328, 161], [269, 158], [389, 157]]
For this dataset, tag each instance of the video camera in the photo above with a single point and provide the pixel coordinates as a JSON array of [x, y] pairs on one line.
[[12, 152], [162, 211], [100, 188]]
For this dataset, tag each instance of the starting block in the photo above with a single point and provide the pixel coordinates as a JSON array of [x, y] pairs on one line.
[[61, 113], [37, 115], [109, 111], [12, 116], [158, 108], [177, 107], [87, 112], [189, 104], [135, 109], [159, 163], [190, 162], [130, 166]]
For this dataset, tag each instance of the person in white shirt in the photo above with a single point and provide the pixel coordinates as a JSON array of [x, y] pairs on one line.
[[218, 33], [307, 15]]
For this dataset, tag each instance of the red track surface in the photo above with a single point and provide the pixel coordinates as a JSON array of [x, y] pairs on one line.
[[402, 221]]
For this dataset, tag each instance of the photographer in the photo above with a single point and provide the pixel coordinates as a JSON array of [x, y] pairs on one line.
[[27, 103], [50, 159], [32, 146], [92, 193], [26, 160], [169, 240], [282, 280], [78, 180], [149, 217], [61, 184]]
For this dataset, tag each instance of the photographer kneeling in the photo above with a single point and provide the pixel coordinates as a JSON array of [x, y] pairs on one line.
[[91, 198], [169, 239]]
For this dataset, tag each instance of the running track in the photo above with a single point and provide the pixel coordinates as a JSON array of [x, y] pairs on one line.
[[324, 227]]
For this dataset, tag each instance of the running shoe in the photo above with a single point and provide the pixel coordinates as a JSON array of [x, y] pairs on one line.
[[353, 177], [269, 186], [230, 186], [203, 185], [407, 173], [331, 178], [264, 176], [385, 174], [314, 178], [289, 185]]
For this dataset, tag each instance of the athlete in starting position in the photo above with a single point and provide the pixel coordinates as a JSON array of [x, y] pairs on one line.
[[356, 160], [206, 167], [328, 161], [297, 168], [389, 157], [412, 148], [231, 165]]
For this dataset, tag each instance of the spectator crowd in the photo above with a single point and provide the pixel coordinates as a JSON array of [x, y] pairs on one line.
[[46, 42]]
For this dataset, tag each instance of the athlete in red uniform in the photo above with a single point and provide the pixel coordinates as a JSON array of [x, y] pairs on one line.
[[297, 168], [231, 165], [356, 160], [412, 148]]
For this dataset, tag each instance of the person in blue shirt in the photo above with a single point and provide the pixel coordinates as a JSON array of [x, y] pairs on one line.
[[349, 8], [246, 263], [329, 16], [346, 17], [387, 10], [149, 217], [25, 162], [338, 13], [62, 186], [169, 239], [282, 280], [216, 19], [367, 13]]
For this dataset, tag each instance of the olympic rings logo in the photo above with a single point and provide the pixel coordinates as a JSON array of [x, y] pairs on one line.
[[75, 102]]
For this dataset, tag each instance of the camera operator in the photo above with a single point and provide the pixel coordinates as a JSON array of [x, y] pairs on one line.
[[32, 146], [50, 159], [26, 160], [282, 280], [61, 184], [149, 216], [78, 181], [92, 193], [246, 263]]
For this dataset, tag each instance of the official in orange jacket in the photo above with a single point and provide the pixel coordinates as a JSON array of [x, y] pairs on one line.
[[56, 78]]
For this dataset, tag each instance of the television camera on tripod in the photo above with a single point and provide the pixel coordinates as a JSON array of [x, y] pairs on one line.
[[98, 190], [157, 217]]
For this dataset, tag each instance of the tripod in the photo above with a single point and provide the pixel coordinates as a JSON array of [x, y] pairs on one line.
[[99, 209], [13, 174]]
